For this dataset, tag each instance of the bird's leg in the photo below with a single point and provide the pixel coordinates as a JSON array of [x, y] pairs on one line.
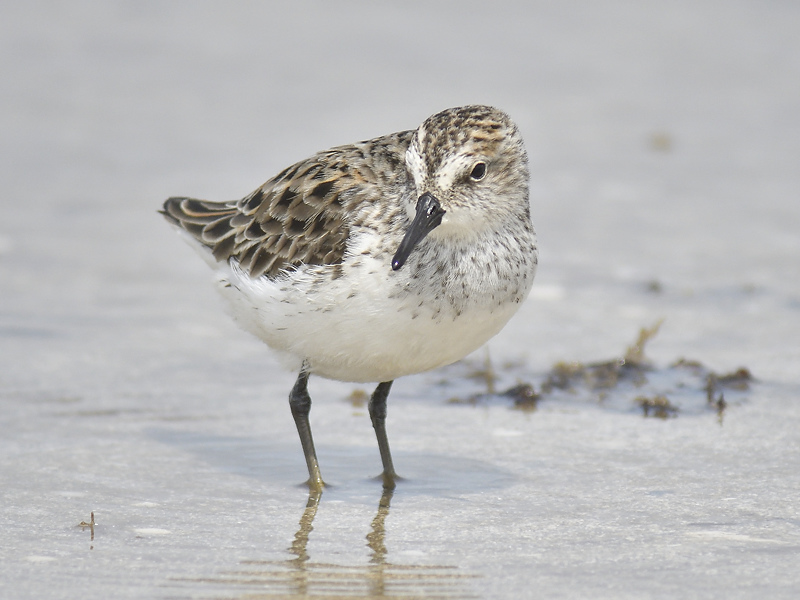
[[300, 403], [377, 413]]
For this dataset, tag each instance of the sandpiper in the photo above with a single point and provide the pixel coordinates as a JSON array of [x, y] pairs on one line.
[[378, 259]]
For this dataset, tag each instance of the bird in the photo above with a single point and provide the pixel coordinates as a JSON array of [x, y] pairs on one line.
[[378, 259]]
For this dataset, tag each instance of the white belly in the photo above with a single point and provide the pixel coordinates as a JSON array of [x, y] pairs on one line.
[[360, 327]]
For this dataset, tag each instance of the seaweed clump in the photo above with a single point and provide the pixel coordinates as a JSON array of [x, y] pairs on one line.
[[611, 382], [659, 405], [604, 375]]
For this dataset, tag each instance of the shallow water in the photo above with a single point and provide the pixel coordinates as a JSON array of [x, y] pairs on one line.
[[664, 145]]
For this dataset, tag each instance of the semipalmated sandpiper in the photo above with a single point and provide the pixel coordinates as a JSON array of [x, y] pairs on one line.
[[378, 259]]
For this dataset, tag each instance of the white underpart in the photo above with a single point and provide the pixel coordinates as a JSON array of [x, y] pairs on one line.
[[357, 327]]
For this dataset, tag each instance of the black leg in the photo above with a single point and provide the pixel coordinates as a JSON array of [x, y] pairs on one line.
[[377, 412], [300, 403]]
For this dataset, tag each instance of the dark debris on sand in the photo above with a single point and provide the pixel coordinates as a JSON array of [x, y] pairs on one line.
[[631, 378]]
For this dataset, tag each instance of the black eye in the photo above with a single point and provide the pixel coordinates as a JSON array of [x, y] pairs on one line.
[[478, 171]]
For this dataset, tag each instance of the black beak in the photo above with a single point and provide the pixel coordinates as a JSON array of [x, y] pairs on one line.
[[429, 216]]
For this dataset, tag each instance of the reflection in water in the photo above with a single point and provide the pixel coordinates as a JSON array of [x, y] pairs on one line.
[[300, 577], [298, 547], [375, 538]]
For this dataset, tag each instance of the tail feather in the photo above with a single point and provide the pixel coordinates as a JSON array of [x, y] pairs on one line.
[[207, 222]]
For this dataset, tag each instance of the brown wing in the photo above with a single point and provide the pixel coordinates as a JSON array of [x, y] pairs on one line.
[[297, 217]]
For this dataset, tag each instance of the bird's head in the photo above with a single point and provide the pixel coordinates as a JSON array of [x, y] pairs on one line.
[[470, 171]]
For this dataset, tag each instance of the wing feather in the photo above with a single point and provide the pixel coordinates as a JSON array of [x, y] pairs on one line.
[[300, 216]]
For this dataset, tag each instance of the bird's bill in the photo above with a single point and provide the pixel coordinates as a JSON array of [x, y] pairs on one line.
[[428, 217]]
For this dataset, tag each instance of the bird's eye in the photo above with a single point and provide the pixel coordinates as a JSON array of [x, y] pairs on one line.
[[478, 171]]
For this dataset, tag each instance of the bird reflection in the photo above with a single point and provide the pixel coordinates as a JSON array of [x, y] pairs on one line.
[[301, 577], [298, 547], [376, 536]]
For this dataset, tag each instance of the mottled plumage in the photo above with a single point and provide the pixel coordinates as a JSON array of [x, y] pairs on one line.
[[378, 259], [300, 216]]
